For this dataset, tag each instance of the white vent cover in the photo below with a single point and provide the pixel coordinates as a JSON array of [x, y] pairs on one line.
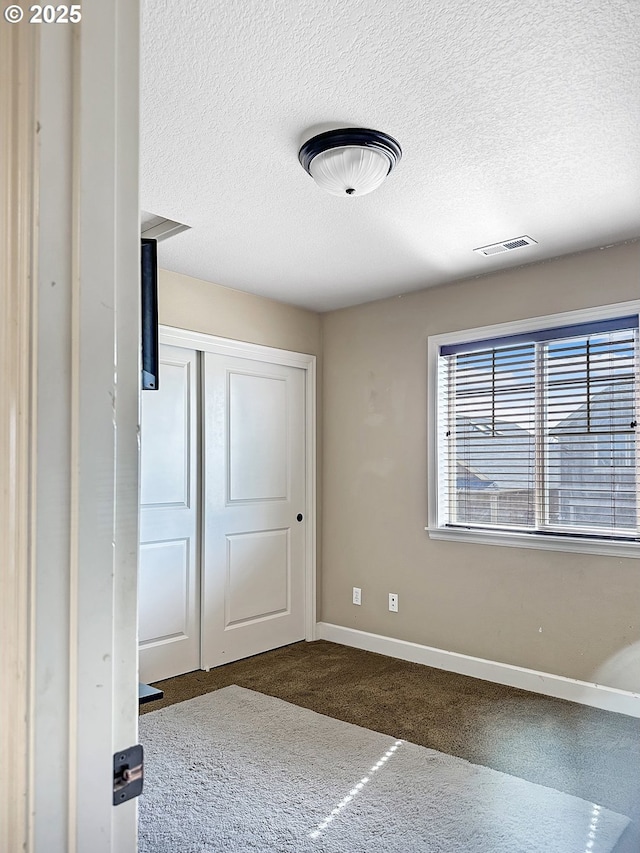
[[507, 246], [159, 227]]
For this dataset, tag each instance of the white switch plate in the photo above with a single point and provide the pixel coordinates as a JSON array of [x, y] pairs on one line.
[[393, 602], [357, 595]]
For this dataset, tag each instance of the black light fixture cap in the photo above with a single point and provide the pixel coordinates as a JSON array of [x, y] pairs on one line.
[[356, 136]]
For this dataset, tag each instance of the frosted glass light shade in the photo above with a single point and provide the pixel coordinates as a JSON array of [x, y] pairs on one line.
[[350, 160], [349, 170]]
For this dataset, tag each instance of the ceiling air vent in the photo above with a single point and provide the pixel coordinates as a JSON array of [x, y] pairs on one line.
[[159, 227], [507, 246]]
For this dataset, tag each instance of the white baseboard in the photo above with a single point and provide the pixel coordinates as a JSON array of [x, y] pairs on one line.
[[558, 686]]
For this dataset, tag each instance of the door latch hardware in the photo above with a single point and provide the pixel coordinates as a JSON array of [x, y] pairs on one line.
[[128, 774]]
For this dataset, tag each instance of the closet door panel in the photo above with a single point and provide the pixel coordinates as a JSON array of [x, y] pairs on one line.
[[169, 576], [254, 491]]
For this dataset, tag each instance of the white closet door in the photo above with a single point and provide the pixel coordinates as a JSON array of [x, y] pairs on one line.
[[169, 582], [254, 486]]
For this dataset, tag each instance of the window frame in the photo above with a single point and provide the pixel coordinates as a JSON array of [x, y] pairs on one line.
[[435, 499]]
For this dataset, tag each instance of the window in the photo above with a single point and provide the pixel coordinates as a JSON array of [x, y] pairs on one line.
[[535, 433]]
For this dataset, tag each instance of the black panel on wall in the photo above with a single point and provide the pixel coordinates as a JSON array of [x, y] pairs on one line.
[[149, 287]]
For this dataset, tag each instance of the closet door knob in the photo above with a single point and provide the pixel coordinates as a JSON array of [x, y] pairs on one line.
[[299, 516]]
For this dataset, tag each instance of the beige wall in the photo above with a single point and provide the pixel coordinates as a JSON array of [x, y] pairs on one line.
[[570, 614], [200, 306]]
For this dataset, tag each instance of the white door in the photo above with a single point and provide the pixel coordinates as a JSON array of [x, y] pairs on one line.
[[169, 582], [254, 493]]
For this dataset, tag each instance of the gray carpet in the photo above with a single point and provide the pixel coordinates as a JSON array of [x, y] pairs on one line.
[[236, 770]]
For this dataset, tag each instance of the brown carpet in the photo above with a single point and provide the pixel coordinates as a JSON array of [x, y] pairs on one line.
[[583, 751]]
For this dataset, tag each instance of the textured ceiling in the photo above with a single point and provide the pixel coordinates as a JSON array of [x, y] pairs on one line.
[[514, 118]]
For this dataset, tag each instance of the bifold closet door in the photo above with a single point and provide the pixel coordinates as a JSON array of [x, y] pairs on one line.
[[253, 577], [169, 575]]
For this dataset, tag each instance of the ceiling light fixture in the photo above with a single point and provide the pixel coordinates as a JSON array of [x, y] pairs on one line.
[[351, 160]]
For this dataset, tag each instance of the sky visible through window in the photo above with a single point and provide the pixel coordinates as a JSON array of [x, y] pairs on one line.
[[501, 383], [542, 432]]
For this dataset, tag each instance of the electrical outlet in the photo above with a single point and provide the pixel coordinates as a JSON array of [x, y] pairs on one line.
[[357, 595], [393, 602]]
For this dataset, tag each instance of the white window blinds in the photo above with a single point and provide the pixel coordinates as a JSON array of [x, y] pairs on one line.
[[538, 432]]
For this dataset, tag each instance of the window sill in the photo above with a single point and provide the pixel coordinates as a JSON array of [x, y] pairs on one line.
[[546, 542]]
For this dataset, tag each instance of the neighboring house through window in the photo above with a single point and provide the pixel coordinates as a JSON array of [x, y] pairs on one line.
[[534, 432]]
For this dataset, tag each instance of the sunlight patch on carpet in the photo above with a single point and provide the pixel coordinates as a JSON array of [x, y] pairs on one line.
[[354, 791]]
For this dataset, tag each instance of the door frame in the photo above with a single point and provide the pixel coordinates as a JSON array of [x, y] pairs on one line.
[[69, 288], [19, 49], [271, 355]]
